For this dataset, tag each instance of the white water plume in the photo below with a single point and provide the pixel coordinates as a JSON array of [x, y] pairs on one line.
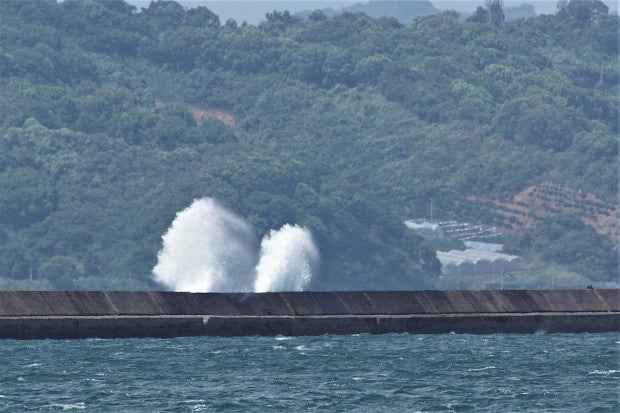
[[208, 248], [287, 256], [203, 248]]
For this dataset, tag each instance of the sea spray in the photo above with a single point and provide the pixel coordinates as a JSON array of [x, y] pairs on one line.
[[286, 261], [207, 248]]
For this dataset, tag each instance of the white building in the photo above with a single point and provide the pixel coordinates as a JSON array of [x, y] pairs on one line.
[[479, 258], [475, 262], [428, 230]]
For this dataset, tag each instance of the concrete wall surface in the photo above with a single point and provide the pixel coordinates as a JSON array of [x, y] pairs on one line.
[[102, 303], [75, 314]]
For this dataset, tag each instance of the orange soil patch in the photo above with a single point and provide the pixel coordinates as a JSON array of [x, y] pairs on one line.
[[530, 206], [201, 115]]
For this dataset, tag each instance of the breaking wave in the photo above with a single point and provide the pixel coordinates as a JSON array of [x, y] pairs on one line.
[[208, 248]]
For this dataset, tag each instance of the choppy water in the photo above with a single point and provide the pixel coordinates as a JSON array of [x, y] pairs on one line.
[[394, 372]]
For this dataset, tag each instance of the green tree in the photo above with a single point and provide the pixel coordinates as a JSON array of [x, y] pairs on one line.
[[481, 16], [566, 240], [62, 270], [495, 10], [201, 17], [583, 12], [538, 121], [26, 196]]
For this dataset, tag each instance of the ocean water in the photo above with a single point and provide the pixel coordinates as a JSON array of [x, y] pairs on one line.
[[355, 373]]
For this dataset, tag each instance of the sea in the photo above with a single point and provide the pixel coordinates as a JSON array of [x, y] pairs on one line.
[[330, 373]]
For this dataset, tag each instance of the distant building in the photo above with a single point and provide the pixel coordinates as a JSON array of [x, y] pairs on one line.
[[475, 262], [462, 231], [482, 255], [429, 230], [465, 231], [484, 246]]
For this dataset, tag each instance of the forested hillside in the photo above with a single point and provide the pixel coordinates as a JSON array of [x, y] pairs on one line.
[[113, 119]]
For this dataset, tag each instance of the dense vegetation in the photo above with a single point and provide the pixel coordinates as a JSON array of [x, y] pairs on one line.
[[346, 125], [566, 240]]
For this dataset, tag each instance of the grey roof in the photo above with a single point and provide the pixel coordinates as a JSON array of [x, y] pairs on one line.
[[473, 261]]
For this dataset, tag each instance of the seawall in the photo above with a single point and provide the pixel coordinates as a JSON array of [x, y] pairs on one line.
[[115, 314]]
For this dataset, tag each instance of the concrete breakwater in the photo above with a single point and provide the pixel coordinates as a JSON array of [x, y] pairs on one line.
[[111, 314]]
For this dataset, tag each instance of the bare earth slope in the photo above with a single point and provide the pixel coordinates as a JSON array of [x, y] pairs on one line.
[[531, 205]]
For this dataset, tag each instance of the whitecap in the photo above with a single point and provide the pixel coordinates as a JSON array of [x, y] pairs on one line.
[[34, 365], [280, 338], [279, 347], [67, 406], [196, 405], [603, 372], [482, 368]]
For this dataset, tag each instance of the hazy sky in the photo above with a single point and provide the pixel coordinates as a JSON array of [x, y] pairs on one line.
[[253, 11]]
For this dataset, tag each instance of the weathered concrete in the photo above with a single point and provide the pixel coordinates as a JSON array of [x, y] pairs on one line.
[[79, 314]]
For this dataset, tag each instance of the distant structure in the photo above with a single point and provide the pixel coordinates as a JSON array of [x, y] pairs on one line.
[[464, 231], [474, 262], [483, 254], [484, 246], [429, 230]]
